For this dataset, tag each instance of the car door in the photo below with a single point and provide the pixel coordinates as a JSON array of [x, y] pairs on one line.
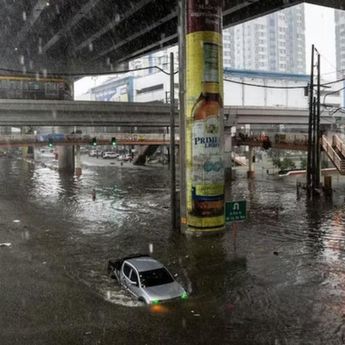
[[134, 285], [127, 269], [128, 275]]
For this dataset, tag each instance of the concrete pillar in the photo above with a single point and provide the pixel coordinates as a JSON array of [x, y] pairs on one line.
[[66, 158], [66, 153], [327, 184], [204, 148], [27, 151], [77, 160], [251, 161], [37, 153]]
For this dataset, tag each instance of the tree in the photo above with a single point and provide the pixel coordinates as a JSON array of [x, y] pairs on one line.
[[303, 163], [285, 164], [276, 162], [288, 164]]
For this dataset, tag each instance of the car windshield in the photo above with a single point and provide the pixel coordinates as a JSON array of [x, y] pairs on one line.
[[156, 277]]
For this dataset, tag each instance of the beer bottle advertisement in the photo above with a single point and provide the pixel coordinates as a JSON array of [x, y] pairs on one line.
[[204, 126]]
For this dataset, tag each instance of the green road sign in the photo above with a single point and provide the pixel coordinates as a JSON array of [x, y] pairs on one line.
[[235, 211]]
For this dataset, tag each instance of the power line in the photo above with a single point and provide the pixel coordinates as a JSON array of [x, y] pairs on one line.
[[333, 82], [91, 74], [332, 92], [88, 74], [264, 86]]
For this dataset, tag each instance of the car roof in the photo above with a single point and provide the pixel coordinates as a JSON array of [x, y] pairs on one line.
[[145, 263]]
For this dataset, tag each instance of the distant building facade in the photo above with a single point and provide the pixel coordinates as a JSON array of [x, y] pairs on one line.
[[114, 90], [340, 42], [272, 89], [275, 42], [340, 47], [241, 88]]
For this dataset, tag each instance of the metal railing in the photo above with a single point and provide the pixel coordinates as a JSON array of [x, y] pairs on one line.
[[61, 138], [339, 144], [332, 154]]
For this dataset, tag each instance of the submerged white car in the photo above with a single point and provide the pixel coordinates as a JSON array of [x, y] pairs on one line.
[[146, 278], [110, 155]]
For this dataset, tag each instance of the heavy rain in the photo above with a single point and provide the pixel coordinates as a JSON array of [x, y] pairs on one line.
[[172, 172], [278, 279]]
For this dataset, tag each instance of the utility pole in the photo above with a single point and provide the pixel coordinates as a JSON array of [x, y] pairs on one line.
[[182, 5], [310, 125], [318, 134], [314, 153], [313, 156], [172, 145]]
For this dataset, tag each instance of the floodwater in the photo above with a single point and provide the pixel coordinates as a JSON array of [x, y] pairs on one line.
[[280, 279]]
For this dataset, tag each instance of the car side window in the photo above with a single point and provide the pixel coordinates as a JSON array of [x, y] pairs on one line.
[[127, 270], [134, 277]]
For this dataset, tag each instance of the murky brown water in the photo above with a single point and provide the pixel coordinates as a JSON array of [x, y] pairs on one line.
[[281, 280]]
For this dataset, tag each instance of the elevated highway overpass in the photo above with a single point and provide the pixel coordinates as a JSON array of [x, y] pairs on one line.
[[92, 114], [94, 36]]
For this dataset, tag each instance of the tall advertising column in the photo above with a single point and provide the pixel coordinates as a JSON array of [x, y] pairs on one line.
[[204, 118]]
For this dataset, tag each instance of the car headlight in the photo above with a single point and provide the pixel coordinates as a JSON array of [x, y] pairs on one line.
[[184, 295], [155, 301]]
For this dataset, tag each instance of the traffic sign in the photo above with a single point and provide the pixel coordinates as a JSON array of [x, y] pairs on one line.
[[235, 211]]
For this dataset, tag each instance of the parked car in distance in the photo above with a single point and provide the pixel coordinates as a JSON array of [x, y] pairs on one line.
[[146, 278], [110, 155], [95, 153], [127, 157]]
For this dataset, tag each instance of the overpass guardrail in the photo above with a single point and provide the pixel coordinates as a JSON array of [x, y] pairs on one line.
[[101, 138], [327, 146]]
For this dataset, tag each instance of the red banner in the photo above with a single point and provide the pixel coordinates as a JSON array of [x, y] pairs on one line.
[[204, 15]]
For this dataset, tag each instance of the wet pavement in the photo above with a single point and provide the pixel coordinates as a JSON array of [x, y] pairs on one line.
[[279, 280]]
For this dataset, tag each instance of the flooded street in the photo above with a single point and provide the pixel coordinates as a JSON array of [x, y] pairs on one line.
[[279, 280]]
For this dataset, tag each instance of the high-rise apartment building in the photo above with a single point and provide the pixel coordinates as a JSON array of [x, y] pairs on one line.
[[340, 42], [275, 42], [340, 47]]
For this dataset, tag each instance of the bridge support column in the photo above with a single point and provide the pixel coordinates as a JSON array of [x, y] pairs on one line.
[[65, 153], [328, 184], [77, 160], [204, 148], [28, 151], [251, 161], [66, 158]]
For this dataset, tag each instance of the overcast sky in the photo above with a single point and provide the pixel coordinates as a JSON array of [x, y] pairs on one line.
[[319, 22], [320, 31]]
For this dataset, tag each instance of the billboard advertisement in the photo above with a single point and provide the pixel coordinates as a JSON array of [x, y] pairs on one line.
[[204, 116]]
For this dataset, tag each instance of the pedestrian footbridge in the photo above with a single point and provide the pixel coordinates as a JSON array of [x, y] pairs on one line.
[[85, 139], [334, 147]]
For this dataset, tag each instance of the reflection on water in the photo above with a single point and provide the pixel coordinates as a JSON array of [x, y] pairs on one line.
[[282, 283]]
